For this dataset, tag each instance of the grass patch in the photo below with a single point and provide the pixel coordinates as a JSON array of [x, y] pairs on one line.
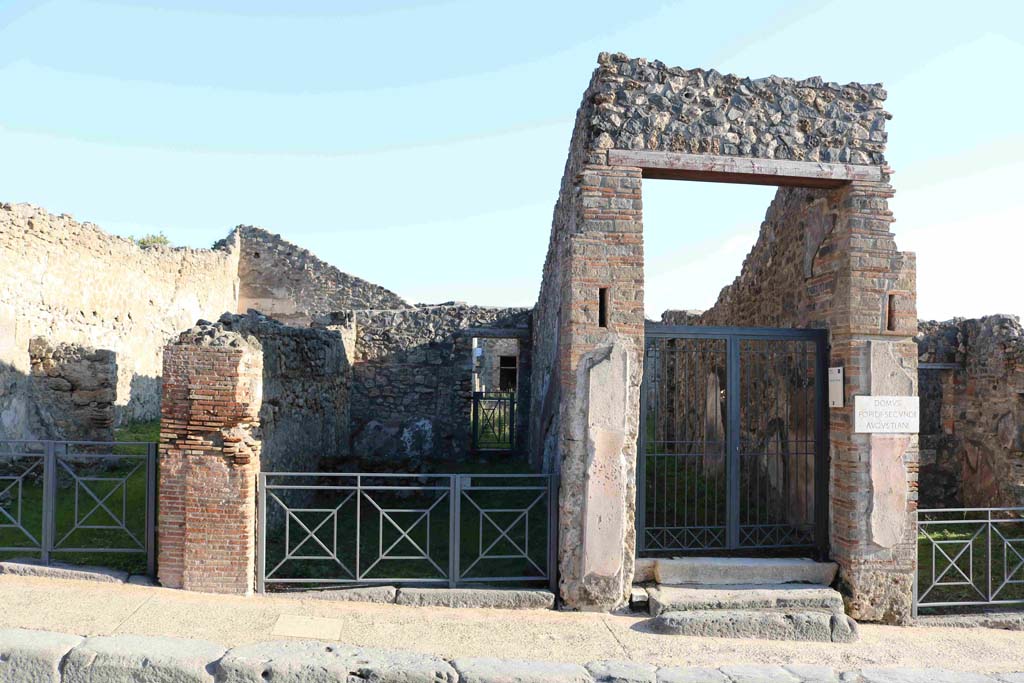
[[79, 521]]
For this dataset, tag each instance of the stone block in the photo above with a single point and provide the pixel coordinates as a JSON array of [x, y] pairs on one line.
[[493, 598], [789, 595], [622, 672], [33, 656], [742, 571], [809, 673], [675, 674], [768, 624], [60, 570], [302, 661], [379, 594], [759, 673], [130, 658], [486, 670], [898, 675]]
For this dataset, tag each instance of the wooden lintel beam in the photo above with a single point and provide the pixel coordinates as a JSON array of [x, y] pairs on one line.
[[727, 169]]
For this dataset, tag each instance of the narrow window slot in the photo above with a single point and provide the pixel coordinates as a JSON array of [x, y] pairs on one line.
[[890, 323], [602, 307]]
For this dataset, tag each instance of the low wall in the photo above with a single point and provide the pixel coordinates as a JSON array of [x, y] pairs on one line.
[[972, 427]]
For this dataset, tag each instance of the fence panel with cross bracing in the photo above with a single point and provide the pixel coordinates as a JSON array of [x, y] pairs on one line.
[[318, 529], [969, 558], [79, 501]]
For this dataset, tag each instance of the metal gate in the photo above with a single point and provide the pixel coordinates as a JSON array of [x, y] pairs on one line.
[[494, 421], [733, 450], [94, 502]]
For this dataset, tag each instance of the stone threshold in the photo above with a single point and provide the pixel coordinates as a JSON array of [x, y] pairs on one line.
[[27, 655]]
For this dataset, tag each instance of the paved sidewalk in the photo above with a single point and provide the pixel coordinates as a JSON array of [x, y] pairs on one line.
[[93, 608]]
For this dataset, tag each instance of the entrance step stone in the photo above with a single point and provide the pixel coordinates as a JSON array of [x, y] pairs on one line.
[[720, 571], [739, 597], [768, 624]]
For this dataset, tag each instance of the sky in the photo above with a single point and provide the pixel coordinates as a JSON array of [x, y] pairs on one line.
[[420, 145]]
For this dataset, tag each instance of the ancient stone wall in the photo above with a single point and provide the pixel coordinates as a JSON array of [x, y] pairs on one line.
[[292, 285], [412, 379], [304, 412], [638, 104], [972, 427], [70, 283], [73, 390]]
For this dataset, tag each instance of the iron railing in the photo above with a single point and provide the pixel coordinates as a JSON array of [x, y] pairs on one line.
[[969, 557], [77, 497], [451, 529], [494, 421]]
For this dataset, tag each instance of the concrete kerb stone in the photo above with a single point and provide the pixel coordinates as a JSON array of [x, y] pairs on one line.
[[142, 658], [43, 657], [35, 656]]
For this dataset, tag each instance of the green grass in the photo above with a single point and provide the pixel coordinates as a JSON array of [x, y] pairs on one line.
[[952, 538], [129, 503]]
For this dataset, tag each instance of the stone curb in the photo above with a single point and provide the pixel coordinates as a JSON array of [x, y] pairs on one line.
[[46, 657], [74, 572]]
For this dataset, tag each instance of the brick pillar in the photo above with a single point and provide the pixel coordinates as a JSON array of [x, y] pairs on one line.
[[209, 458], [599, 372], [873, 488]]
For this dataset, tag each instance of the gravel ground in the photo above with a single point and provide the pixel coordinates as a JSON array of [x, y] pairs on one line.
[[92, 608]]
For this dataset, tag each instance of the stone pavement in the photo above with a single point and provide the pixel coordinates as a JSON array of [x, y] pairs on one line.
[[43, 656], [94, 608]]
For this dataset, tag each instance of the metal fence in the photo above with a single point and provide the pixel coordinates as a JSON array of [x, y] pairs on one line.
[[494, 421], [93, 500], [969, 557], [432, 529]]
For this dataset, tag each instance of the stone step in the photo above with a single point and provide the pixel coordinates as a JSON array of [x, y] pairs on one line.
[[663, 599], [767, 624], [719, 571]]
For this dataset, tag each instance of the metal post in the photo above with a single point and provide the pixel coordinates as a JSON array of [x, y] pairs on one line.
[[552, 567], [822, 447], [988, 555], [49, 499], [261, 534], [917, 552], [151, 508], [640, 515], [476, 420], [732, 398], [454, 528]]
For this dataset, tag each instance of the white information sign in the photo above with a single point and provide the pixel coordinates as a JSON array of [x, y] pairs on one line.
[[887, 415], [835, 387]]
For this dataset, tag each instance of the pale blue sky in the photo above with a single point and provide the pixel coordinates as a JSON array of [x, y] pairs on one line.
[[420, 144]]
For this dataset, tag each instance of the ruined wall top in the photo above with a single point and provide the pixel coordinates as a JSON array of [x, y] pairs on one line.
[[645, 105], [291, 284]]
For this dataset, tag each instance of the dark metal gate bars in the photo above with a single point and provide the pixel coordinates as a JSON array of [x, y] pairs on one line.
[[60, 498], [733, 449], [494, 421], [449, 529]]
